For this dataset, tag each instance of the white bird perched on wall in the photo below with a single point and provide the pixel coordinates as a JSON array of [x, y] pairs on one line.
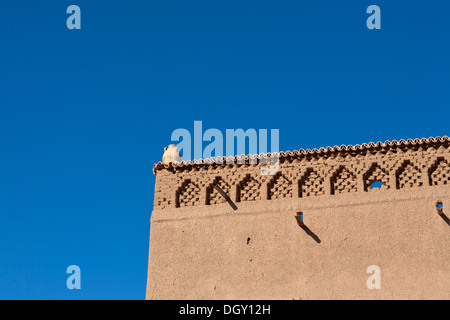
[[171, 154]]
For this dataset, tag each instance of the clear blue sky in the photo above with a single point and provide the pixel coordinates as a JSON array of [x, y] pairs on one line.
[[86, 113]]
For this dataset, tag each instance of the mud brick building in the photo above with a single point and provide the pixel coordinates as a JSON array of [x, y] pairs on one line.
[[253, 245]]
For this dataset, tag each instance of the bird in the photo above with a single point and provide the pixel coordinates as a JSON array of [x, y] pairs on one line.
[[171, 154]]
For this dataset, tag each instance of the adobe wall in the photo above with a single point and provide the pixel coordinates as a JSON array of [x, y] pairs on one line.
[[201, 248]]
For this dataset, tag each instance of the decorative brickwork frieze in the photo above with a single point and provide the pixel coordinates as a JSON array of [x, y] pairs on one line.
[[395, 165]]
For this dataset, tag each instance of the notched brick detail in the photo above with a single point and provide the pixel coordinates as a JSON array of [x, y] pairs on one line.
[[188, 194], [213, 196], [439, 173], [248, 189], [408, 176], [280, 187], [343, 181], [374, 174], [311, 184], [307, 173]]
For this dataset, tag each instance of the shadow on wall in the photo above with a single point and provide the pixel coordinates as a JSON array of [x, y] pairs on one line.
[[224, 194], [443, 216], [231, 203], [299, 218]]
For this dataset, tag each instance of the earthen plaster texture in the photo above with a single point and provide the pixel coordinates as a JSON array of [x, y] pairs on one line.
[[202, 248]]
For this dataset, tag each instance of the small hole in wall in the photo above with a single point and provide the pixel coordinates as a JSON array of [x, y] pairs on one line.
[[376, 184], [248, 241]]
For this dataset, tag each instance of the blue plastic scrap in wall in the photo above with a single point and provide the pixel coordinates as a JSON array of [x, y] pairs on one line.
[[376, 184]]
